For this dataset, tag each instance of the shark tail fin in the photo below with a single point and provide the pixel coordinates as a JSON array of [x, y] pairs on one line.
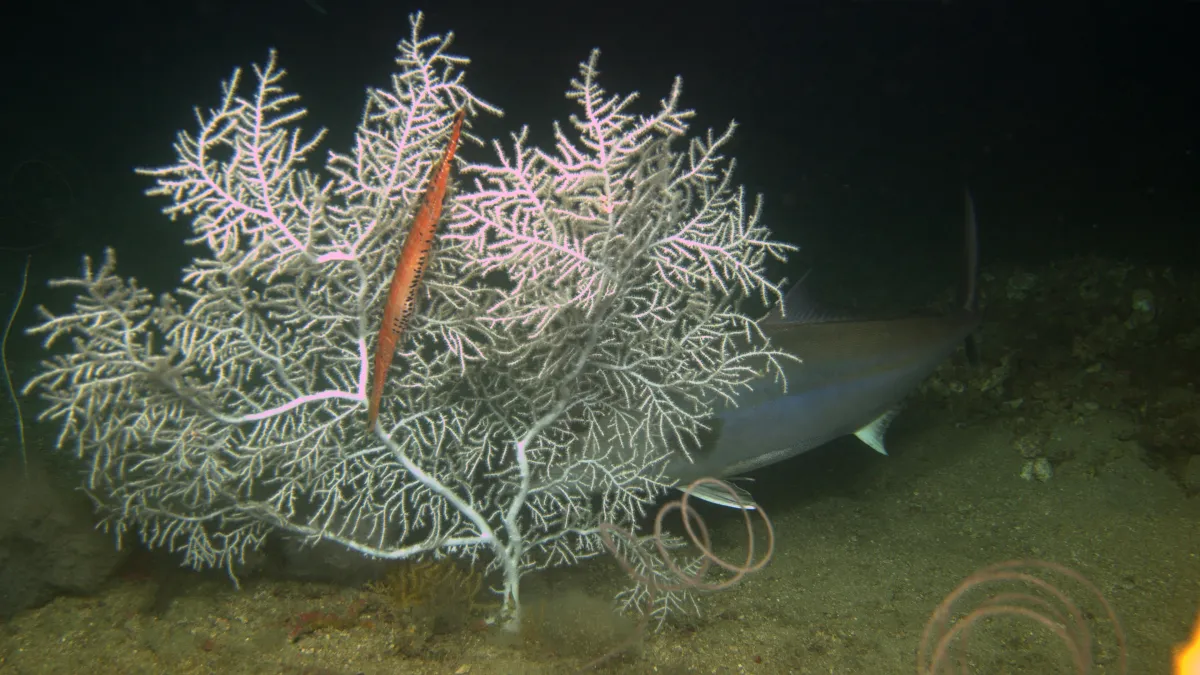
[[969, 289]]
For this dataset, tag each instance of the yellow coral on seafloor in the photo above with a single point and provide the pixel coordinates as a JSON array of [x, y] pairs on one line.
[[1187, 657]]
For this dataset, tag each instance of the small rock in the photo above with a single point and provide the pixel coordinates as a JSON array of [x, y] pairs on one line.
[[1027, 471], [1029, 446], [1042, 469], [1038, 469]]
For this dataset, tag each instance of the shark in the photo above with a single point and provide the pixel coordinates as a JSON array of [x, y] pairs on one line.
[[848, 376]]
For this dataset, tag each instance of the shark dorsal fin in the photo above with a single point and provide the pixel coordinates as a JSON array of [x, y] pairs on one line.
[[873, 433], [797, 306]]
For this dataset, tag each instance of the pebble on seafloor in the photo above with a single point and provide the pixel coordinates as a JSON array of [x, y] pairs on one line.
[[1039, 469]]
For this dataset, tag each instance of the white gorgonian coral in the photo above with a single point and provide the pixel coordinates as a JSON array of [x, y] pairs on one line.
[[582, 294]]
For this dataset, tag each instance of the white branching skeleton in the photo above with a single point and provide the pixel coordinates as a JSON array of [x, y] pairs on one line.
[[580, 300]]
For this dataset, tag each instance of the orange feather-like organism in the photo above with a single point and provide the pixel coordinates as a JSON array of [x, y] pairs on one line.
[[414, 259]]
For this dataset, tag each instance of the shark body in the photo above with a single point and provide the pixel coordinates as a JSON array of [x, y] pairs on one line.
[[851, 377]]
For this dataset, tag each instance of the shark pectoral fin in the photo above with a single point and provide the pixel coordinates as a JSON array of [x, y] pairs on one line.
[[715, 494], [873, 433]]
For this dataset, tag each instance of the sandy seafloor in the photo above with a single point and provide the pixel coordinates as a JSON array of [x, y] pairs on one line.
[[867, 545]]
